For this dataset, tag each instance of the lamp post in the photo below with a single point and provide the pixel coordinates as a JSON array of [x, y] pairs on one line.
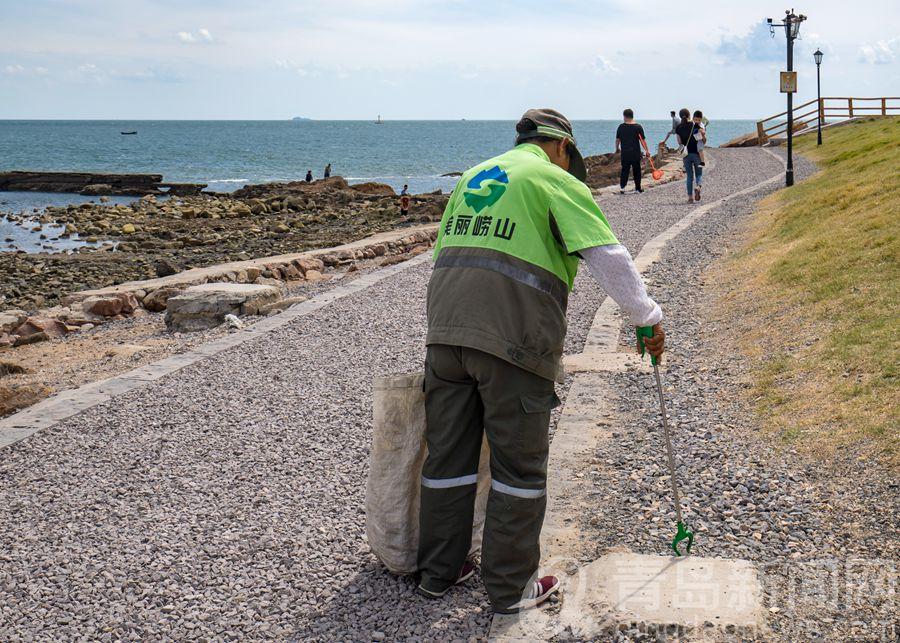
[[818, 56], [791, 26]]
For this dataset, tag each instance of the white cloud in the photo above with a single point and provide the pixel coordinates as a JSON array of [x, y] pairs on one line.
[[882, 52], [287, 65], [88, 72], [14, 70], [604, 66], [189, 38]]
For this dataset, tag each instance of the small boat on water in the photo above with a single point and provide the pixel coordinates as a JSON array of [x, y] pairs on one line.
[[127, 133], [378, 121]]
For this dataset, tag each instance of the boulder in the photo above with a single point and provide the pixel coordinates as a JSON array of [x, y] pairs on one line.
[[27, 332], [128, 228], [96, 189], [291, 273], [267, 281], [206, 305], [287, 302], [122, 303], [34, 338], [745, 140], [314, 275], [164, 268], [306, 264], [294, 203], [157, 300], [376, 189], [10, 319]]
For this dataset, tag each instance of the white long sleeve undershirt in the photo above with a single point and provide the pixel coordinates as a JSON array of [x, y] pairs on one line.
[[612, 268]]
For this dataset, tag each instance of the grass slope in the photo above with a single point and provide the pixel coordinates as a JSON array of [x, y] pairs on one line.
[[814, 297]]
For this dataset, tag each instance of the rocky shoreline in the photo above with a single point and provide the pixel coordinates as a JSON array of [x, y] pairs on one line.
[[161, 236], [93, 183]]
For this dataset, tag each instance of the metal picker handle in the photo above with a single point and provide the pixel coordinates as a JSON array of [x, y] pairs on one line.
[[683, 533]]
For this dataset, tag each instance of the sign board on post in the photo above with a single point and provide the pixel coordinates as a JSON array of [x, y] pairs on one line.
[[788, 82]]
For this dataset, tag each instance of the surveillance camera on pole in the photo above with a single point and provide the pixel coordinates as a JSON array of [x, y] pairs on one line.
[[791, 26]]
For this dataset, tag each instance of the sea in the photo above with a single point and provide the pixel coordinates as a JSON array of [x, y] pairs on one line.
[[229, 154]]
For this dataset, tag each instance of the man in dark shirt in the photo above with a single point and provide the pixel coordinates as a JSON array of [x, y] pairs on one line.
[[628, 142]]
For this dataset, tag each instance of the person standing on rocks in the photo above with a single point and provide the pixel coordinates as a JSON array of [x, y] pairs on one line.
[[628, 141], [689, 133], [675, 123], [508, 249], [404, 201], [309, 176], [328, 170]]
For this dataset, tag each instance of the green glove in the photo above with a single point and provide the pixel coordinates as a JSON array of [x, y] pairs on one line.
[[642, 332]]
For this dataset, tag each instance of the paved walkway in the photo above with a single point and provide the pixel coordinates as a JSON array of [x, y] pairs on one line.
[[225, 500]]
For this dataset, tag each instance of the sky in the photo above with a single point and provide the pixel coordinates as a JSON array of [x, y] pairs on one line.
[[429, 59]]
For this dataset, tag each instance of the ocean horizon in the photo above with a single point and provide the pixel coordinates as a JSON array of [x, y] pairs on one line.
[[229, 154]]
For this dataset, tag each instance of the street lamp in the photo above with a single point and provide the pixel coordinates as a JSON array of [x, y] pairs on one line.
[[791, 26], [818, 56]]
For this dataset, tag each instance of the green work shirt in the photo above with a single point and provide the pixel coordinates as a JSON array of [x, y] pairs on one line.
[[506, 258], [504, 203]]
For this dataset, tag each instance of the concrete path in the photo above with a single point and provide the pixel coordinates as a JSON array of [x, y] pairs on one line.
[[225, 500]]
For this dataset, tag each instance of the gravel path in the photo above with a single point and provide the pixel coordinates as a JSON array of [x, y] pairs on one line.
[[827, 539], [226, 501]]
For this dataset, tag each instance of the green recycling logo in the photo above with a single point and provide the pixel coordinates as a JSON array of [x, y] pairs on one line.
[[475, 195]]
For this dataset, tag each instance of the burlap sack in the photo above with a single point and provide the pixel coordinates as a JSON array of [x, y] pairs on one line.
[[395, 468]]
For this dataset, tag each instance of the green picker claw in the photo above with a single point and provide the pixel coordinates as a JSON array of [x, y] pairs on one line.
[[683, 533]]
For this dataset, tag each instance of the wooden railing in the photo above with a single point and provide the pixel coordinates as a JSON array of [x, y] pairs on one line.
[[835, 108]]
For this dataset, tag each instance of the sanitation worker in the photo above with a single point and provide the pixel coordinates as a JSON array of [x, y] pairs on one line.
[[506, 256]]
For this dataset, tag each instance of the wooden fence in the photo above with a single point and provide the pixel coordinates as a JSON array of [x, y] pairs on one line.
[[831, 108]]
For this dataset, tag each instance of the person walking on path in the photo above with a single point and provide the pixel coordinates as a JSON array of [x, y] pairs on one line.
[[628, 137], [506, 256], [309, 176], [328, 170], [404, 201], [689, 132], [675, 122]]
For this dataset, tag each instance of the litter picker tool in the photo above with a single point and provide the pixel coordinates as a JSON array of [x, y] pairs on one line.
[[682, 533], [656, 174]]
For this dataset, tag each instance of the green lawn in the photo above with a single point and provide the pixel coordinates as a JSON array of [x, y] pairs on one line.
[[816, 288]]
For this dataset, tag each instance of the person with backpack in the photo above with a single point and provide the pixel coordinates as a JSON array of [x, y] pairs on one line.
[[690, 132]]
